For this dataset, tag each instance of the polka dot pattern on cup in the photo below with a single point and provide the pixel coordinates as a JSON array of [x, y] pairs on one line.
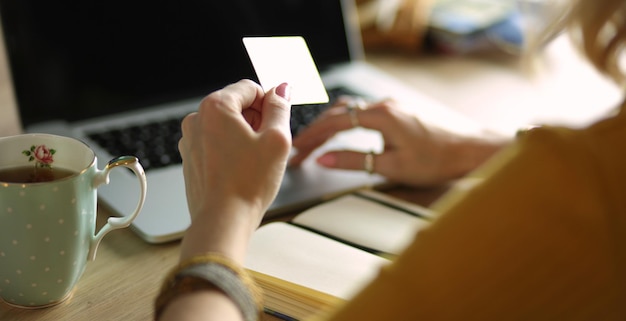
[[44, 251]]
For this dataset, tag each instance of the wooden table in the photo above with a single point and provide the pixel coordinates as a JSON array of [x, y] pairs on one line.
[[123, 281]]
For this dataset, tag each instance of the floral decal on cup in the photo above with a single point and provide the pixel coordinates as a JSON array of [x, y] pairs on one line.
[[42, 155]]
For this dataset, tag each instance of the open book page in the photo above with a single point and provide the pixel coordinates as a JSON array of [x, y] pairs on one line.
[[395, 202], [298, 256], [378, 224]]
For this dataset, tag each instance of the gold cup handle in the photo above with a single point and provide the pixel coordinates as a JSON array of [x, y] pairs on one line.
[[114, 223]]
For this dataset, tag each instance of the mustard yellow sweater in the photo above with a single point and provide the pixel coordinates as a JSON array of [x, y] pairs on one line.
[[542, 237]]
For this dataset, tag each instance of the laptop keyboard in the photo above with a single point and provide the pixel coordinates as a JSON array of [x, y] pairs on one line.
[[302, 116], [156, 143]]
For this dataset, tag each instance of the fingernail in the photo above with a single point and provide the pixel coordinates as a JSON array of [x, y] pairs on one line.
[[328, 160], [284, 90]]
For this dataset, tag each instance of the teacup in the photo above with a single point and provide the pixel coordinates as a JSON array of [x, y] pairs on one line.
[[48, 221]]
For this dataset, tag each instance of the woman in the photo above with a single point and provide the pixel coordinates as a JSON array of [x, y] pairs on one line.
[[541, 238]]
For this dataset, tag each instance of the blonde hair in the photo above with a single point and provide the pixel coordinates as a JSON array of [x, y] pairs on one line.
[[597, 28]]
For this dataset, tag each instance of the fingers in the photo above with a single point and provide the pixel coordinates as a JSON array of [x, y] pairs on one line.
[[334, 121], [351, 160], [276, 108], [187, 125], [244, 97], [236, 97], [317, 134], [247, 98]]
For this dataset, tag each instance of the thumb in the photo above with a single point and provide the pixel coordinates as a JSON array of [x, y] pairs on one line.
[[276, 109]]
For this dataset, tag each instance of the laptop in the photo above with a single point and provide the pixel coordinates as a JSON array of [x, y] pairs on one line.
[[122, 74]]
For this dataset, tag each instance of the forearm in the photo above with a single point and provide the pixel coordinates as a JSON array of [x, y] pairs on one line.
[[465, 154], [476, 151]]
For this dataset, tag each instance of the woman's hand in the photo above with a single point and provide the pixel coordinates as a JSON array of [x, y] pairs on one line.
[[414, 153], [234, 152]]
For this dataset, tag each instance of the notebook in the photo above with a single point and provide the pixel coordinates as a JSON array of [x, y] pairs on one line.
[[106, 72], [324, 255]]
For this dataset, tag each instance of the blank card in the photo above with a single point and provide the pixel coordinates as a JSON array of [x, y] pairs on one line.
[[287, 59]]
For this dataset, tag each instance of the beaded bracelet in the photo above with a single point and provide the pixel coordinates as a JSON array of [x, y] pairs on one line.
[[212, 271]]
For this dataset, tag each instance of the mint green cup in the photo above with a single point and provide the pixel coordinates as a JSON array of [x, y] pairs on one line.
[[47, 229]]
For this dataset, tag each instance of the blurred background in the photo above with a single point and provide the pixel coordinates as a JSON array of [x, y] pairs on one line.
[[469, 54]]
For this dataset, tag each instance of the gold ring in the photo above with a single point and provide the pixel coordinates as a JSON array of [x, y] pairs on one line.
[[354, 120], [368, 164], [353, 108]]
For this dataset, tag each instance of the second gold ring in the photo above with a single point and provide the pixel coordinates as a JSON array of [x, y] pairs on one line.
[[368, 164], [353, 109]]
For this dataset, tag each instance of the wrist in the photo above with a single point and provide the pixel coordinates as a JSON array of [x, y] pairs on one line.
[[202, 275], [221, 229], [472, 152]]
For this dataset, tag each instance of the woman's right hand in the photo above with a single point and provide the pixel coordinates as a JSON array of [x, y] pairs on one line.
[[234, 151], [415, 153]]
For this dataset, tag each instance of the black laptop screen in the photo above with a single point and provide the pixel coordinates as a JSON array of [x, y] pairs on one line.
[[79, 59]]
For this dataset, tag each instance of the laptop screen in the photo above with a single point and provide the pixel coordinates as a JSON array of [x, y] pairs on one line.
[[74, 60]]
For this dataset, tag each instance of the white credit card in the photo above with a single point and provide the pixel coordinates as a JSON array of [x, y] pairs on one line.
[[287, 59]]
